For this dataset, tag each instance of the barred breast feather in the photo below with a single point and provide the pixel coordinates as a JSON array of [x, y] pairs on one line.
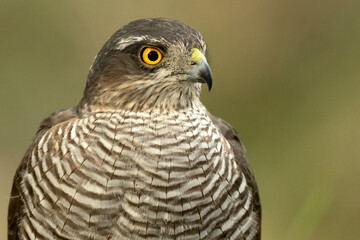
[[136, 175]]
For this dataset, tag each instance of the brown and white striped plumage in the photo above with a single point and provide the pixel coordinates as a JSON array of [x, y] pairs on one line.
[[139, 157]]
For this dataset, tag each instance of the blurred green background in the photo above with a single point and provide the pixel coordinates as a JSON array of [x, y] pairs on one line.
[[286, 76]]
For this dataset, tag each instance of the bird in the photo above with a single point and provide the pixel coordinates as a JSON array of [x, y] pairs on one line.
[[140, 156]]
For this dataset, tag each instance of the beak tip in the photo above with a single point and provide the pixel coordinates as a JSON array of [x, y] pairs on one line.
[[202, 73]]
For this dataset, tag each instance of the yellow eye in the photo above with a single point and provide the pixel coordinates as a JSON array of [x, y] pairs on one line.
[[151, 55]]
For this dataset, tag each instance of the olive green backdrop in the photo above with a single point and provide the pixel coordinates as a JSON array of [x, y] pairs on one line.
[[286, 76]]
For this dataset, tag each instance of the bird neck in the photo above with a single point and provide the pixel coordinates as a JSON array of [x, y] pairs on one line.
[[140, 97]]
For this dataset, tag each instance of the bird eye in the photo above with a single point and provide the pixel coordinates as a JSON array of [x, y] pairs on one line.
[[151, 55]]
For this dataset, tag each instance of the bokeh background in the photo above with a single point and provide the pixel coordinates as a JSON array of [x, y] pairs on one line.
[[286, 76]]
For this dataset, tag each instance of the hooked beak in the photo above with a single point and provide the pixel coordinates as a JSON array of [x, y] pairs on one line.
[[201, 72]]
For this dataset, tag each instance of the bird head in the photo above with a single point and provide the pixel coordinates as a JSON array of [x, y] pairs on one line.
[[149, 64]]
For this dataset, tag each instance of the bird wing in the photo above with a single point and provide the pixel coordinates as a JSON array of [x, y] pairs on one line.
[[15, 204], [240, 155]]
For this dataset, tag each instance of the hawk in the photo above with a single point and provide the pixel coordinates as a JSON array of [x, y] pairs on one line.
[[139, 157]]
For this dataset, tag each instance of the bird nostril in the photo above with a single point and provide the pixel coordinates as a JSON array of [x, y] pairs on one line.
[[193, 63]]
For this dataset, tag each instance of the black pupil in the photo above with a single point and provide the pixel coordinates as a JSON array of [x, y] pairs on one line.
[[153, 56]]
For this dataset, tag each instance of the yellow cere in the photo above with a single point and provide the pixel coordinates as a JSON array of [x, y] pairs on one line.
[[196, 55], [151, 55]]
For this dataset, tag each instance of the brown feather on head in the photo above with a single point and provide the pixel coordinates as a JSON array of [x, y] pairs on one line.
[[120, 79]]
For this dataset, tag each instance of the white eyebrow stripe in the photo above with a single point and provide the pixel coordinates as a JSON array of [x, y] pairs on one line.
[[123, 43]]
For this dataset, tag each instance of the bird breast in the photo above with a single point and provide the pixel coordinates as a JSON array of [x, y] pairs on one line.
[[122, 173]]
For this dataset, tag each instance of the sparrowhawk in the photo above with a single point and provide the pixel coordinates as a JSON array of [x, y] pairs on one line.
[[139, 157]]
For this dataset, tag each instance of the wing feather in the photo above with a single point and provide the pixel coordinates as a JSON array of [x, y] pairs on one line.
[[15, 203], [240, 155]]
